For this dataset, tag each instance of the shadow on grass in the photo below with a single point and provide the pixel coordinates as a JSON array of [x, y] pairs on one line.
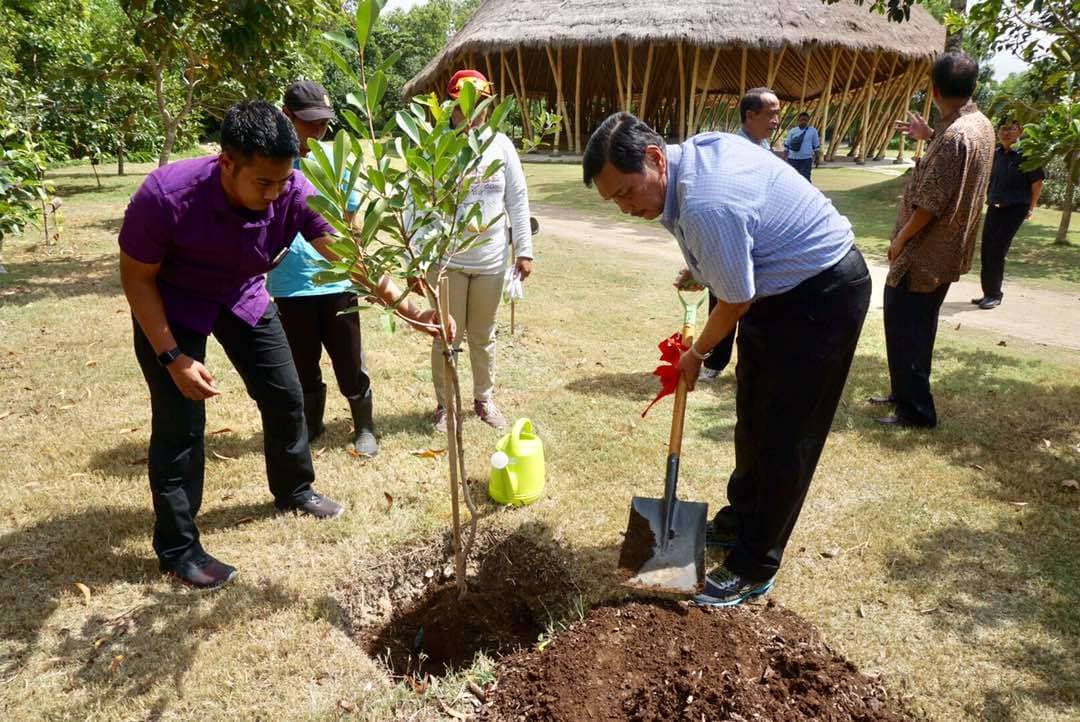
[[635, 386], [114, 657], [1024, 570], [46, 278]]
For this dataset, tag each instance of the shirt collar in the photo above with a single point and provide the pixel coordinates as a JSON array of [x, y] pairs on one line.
[[671, 204], [965, 109]]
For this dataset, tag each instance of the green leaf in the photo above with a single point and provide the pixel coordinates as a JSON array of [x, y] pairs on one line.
[[373, 218], [357, 100], [388, 63], [323, 278], [353, 121], [330, 212], [376, 88], [408, 126], [339, 38], [340, 141], [367, 13]]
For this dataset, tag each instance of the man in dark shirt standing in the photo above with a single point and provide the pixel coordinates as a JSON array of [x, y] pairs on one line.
[[1011, 200]]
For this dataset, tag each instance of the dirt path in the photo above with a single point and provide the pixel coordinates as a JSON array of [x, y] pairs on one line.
[[1030, 314]]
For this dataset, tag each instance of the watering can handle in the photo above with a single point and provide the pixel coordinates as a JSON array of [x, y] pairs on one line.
[[520, 426]]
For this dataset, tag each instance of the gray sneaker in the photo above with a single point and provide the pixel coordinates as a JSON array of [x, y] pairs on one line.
[[489, 413], [707, 374], [438, 419], [724, 588]]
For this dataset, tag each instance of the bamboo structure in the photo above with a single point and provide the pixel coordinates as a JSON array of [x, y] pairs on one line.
[[682, 67]]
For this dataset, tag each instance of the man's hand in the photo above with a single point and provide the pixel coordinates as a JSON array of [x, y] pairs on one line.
[[689, 367], [915, 127], [431, 327], [524, 267], [684, 281], [192, 378], [895, 247], [1029, 214]]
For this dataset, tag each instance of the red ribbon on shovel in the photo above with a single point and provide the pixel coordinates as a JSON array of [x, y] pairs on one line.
[[671, 350]]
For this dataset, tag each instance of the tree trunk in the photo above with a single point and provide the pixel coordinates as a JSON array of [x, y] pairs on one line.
[[120, 157], [1062, 237], [170, 141], [954, 40], [94, 165], [453, 436]]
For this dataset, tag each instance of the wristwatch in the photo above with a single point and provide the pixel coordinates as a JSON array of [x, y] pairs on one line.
[[167, 357]]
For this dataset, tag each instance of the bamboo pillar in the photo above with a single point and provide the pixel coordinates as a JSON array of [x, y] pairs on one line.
[[618, 71], [577, 103], [826, 99], [902, 99], [693, 91], [912, 82], [643, 109], [805, 76], [843, 101], [852, 114], [555, 74], [629, 104], [705, 91], [894, 89], [524, 92], [925, 115], [774, 71], [742, 75], [682, 94], [502, 73], [487, 64], [860, 158]]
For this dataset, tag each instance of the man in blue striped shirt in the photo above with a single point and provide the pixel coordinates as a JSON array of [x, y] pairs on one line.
[[802, 149], [782, 262]]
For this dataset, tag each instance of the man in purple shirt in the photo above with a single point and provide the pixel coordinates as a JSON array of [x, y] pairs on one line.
[[196, 241]]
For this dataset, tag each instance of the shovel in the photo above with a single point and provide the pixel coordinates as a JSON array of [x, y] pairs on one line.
[[664, 547]]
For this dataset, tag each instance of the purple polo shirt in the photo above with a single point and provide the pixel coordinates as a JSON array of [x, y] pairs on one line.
[[212, 255]]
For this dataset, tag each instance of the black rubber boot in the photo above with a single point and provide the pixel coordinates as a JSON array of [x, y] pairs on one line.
[[364, 428], [314, 405]]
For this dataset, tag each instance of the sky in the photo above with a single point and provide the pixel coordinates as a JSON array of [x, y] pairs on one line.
[[1003, 63]]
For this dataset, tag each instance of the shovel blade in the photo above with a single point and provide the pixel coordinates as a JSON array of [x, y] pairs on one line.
[[651, 565]]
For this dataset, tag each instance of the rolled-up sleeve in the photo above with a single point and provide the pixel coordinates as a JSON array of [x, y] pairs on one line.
[[721, 246], [942, 177], [146, 230]]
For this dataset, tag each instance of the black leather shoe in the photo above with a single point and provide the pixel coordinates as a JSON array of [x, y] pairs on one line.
[[894, 420], [202, 572], [890, 399], [988, 303], [317, 506], [978, 301]]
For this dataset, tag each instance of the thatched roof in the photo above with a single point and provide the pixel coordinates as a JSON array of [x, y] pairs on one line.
[[800, 25]]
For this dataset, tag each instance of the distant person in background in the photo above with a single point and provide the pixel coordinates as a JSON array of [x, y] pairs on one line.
[[802, 149], [311, 313], [934, 237], [759, 112], [1012, 198]]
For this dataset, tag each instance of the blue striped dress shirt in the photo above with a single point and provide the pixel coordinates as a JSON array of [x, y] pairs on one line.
[[748, 225]]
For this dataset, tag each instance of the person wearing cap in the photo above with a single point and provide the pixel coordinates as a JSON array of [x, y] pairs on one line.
[[477, 274], [316, 315], [196, 240]]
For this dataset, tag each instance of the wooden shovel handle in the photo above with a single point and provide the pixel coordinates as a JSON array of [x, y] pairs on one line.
[[678, 413]]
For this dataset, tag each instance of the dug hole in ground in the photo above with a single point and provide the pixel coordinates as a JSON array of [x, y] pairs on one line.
[[625, 658]]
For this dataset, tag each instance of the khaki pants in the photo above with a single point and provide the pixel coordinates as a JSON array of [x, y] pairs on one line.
[[474, 303]]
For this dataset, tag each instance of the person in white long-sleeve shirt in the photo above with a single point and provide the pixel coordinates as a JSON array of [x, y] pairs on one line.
[[477, 274]]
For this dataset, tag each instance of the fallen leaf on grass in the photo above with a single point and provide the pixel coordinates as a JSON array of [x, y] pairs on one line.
[[928, 610], [477, 691], [352, 452], [976, 467], [389, 501], [831, 553], [320, 452], [138, 462], [451, 711], [1002, 343], [216, 455], [116, 662], [957, 327], [65, 407], [1018, 504], [85, 591], [132, 430], [91, 364], [222, 430], [245, 520], [22, 562], [6, 414], [428, 453], [1071, 484], [1046, 443], [346, 705]]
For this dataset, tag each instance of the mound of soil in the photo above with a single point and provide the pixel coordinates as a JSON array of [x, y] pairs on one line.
[[669, 661]]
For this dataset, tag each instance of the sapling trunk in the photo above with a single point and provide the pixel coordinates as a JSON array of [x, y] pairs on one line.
[[1062, 237], [453, 423]]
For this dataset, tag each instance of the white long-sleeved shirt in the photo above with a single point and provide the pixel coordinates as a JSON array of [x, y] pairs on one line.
[[504, 192]]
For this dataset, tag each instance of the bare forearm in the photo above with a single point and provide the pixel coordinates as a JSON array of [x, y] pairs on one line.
[[720, 324], [145, 301], [1036, 191]]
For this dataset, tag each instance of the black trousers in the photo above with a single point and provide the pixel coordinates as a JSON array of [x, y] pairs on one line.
[[312, 322], [261, 355], [911, 323], [999, 229], [803, 165], [795, 351], [721, 354]]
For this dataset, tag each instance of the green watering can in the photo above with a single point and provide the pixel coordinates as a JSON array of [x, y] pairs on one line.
[[517, 466]]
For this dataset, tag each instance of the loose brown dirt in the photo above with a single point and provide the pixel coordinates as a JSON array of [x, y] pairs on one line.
[[667, 661]]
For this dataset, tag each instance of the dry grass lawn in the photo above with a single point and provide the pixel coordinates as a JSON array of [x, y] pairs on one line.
[[952, 563]]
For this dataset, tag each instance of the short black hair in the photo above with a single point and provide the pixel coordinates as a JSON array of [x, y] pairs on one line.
[[255, 127], [754, 101], [804, 114], [1007, 121], [620, 140], [954, 75]]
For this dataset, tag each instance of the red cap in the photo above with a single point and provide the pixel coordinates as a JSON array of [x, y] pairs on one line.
[[481, 83]]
